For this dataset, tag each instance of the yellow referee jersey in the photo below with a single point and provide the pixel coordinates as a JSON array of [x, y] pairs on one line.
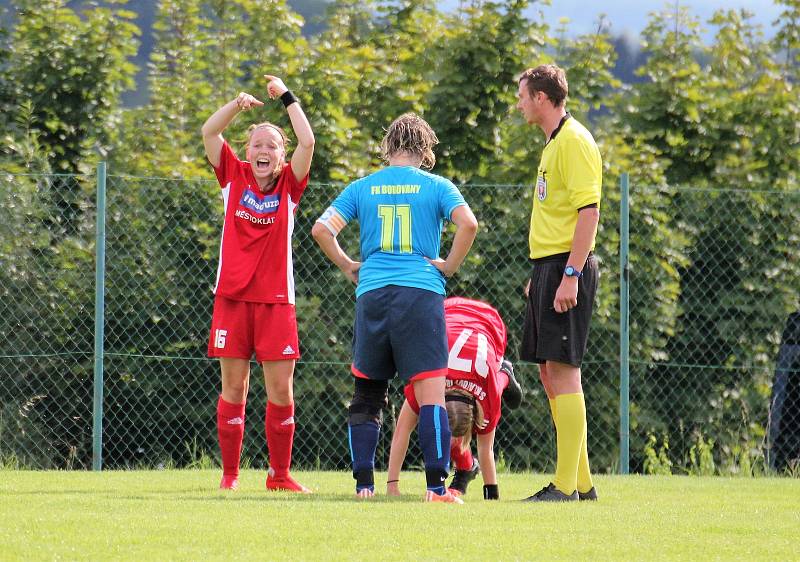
[[570, 177]]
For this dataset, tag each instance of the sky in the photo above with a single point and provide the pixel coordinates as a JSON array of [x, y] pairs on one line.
[[630, 17]]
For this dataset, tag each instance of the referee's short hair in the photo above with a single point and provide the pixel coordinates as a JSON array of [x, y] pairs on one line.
[[547, 78]]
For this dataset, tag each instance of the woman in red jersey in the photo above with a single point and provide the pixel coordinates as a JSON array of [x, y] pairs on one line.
[[479, 379], [254, 310]]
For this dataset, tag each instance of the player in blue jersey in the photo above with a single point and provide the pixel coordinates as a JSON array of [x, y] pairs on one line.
[[399, 325]]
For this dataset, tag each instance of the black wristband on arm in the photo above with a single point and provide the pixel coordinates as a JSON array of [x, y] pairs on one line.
[[288, 98], [491, 492]]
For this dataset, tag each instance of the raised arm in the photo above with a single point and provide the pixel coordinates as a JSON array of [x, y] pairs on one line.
[[406, 422], [466, 230], [219, 121], [301, 159]]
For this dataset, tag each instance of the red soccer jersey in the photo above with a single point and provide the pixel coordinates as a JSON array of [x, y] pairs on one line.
[[255, 256], [476, 336]]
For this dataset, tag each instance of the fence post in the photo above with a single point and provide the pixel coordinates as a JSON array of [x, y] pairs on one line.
[[624, 328], [99, 319]]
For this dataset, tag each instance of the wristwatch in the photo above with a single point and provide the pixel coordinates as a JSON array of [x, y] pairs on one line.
[[570, 271]]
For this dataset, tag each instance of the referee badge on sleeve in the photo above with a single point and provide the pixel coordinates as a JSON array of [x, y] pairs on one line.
[[541, 186]]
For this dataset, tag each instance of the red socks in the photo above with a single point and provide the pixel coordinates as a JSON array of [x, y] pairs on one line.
[[230, 430], [502, 381], [279, 427], [461, 459]]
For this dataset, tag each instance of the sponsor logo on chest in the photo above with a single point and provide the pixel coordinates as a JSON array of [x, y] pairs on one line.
[[258, 209]]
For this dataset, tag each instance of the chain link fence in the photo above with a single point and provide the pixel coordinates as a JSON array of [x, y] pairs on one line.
[[46, 320], [711, 336], [713, 279]]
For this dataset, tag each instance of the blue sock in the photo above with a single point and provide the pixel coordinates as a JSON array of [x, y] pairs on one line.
[[434, 439], [363, 442]]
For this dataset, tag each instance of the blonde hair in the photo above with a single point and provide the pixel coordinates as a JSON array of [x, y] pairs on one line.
[[267, 125], [410, 133], [460, 414]]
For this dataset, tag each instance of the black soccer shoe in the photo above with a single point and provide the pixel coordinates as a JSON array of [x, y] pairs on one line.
[[591, 495], [552, 494], [462, 478], [513, 393]]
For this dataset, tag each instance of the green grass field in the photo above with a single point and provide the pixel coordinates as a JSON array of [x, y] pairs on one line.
[[179, 515]]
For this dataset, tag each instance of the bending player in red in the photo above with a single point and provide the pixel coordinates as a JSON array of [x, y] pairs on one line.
[[478, 377], [254, 310]]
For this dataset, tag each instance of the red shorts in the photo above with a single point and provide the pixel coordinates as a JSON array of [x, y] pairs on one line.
[[239, 329]]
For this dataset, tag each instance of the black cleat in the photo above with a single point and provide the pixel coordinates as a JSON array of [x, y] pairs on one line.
[[513, 393], [462, 478], [591, 495], [552, 494]]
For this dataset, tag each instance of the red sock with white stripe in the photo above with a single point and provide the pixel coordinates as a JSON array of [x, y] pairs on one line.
[[461, 459], [230, 431], [279, 427]]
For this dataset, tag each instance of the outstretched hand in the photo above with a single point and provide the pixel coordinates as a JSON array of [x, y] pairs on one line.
[[245, 101], [275, 88]]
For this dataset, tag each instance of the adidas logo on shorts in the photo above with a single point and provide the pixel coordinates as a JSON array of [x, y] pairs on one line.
[[288, 350]]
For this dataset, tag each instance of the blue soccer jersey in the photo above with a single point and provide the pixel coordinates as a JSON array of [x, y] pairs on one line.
[[401, 212]]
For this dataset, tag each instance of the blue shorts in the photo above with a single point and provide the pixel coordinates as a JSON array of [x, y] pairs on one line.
[[399, 330]]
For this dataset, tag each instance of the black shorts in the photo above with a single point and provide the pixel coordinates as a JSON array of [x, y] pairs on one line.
[[557, 336], [400, 330]]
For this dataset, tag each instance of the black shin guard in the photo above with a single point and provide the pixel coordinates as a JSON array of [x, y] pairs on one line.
[[364, 421], [369, 400]]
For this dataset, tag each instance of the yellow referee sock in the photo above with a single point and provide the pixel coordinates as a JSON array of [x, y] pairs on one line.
[[584, 474], [570, 432], [585, 482]]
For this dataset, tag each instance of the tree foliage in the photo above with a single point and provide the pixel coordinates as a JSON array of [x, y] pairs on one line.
[[72, 68], [709, 133]]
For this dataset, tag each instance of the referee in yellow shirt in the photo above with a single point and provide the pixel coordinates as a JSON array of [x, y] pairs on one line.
[[563, 283]]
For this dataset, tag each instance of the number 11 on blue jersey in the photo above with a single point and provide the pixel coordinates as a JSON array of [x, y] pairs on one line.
[[391, 215]]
